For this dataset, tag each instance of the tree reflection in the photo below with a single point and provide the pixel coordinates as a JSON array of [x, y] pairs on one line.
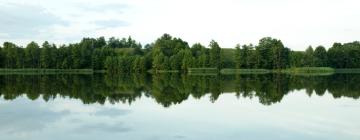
[[172, 89]]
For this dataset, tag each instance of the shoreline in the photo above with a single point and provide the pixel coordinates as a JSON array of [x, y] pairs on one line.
[[192, 71]]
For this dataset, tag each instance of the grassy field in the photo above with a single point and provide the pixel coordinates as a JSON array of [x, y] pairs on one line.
[[45, 71], [244, 71], [167, 71], [151, 71], [347, 70], [309, 71], [296, 71], [203, 74], [99, 71], [202, 70]]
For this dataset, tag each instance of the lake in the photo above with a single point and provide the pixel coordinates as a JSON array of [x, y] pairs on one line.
[[173, 106]]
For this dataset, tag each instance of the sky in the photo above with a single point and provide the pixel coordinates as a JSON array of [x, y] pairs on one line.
[[229, 22]]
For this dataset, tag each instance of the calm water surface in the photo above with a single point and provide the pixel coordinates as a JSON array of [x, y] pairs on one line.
[[165, 107]]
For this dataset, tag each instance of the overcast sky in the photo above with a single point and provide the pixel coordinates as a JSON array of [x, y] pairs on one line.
[[297, 23]]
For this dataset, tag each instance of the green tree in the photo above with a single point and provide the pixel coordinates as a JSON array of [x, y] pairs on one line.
[[100, 42], [114, 43], [96, 59], [198, 51], [45, 55], [215, 55], [158, 61], [54, 58], [264, 50], [142, 64], [111, 64], [136, 66], [166, 63], [176, 61], [309, 57], [2, 58], [243, 56], [238, 59], [19, 57], [272, 54], [320, 57], [76, 56], [32, 55], [187, 60], [164, 52], [10, 57], [297, 58]]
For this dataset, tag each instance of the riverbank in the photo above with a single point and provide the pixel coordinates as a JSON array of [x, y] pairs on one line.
[[293, 71], [347, 70], [309, 71], [191, 71], [29, 71], [244, 71]]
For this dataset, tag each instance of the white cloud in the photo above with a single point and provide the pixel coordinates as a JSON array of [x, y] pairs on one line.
[[25, 21], [297, 23]]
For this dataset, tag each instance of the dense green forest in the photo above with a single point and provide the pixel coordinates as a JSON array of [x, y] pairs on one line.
[[169, 53]]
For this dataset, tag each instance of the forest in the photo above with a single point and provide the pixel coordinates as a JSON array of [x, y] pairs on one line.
[[172, 54]]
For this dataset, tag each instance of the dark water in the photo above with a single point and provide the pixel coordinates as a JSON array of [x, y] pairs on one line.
[[83, 107]]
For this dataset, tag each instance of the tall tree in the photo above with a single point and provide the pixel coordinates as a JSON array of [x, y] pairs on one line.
[[243, 55], [76, 56], [2, 58], [10, 55], [32, 55], [158, 60], [264, 50], [215, 54], [272, 54], [136, 65], [238, 59], [297, 58], [309, 57], [45, 55], [320, 57], [187, 61]]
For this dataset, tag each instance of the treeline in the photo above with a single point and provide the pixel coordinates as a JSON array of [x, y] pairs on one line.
[[90, 53], [338, 56], [268, 54], [271, 54], [173, 54]]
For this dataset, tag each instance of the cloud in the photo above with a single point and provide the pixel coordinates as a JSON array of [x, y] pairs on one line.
[[13, 120], [111, 112], [298, 24], [103, 127], [25, 21], [112, 7], [24, 119], [110, 23]]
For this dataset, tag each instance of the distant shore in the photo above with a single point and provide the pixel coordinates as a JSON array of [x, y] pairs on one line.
[[191, 71], [29, 71]]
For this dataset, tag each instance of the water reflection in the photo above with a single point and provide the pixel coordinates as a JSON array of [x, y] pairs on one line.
[[171, 89]]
